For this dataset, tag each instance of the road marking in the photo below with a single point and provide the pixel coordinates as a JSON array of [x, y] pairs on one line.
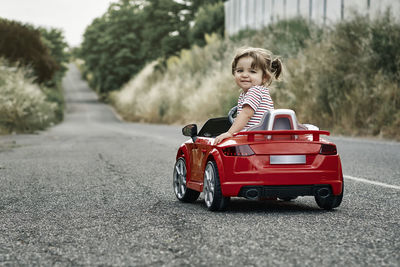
[[371, 182]]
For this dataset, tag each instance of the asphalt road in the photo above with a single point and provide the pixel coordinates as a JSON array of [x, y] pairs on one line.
[[97, 191]]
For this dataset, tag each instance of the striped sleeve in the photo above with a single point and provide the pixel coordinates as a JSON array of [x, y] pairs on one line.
[[259, 99], [253, 98]]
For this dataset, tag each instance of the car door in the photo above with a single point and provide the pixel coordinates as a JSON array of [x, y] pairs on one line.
[[200, 150]]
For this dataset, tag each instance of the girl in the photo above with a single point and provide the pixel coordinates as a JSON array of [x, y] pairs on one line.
[[253, 69]]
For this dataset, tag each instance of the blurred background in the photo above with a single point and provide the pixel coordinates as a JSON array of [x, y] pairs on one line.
[[168, 61]]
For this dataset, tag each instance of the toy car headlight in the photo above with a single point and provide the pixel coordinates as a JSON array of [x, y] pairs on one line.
[[243, 150]]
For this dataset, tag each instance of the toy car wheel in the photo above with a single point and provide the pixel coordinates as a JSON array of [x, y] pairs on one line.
[[183, 193], [213, 197], [329, 202]]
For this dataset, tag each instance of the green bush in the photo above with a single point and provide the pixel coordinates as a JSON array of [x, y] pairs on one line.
[[57, 46], [23, 106], [23, 44]]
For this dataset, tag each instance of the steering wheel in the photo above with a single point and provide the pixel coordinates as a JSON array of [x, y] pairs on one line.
[[232, 114]]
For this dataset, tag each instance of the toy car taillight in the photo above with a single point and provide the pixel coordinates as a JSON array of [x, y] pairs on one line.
[[243, 150], [328, 149]]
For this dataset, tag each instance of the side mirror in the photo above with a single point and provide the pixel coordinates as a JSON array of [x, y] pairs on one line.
[[190, 130]]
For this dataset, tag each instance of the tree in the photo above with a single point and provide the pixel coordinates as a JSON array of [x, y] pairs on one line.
[[166, 27], [54, 40], [134, 32], [112, 47], [210, 18], [23, 44]]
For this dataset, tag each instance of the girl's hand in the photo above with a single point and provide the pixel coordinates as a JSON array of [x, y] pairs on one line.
[[221, 137], [240, 121]]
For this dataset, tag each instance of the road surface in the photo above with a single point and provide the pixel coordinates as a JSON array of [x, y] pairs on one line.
[[97, 191]]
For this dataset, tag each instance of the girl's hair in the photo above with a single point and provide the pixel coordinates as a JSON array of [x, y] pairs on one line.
[[262, 58]]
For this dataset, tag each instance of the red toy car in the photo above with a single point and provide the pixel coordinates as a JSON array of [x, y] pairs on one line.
[[271, 160]]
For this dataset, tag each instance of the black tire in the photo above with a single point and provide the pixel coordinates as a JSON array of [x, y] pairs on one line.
[[331, 201], [182, 193], [213, 197]]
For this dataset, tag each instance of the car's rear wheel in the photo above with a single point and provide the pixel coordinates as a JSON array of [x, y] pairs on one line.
[[213, 197], [329, 202], [183, 193]]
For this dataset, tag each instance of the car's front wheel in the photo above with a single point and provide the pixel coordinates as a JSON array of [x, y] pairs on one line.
[[213, 197], [182, 193]]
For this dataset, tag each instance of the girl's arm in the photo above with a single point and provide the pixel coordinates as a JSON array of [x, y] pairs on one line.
[[239, 123]]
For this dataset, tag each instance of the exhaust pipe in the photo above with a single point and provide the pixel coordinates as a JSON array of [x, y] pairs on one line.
[[252, 194], [323, 192]]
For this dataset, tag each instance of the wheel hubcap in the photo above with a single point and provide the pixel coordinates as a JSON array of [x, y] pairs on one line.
[[209, 182], [180, 179]]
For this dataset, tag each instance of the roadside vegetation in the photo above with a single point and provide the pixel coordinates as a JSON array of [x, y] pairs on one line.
[[349, 80], [344, 78], [131, 34], [32, 64]]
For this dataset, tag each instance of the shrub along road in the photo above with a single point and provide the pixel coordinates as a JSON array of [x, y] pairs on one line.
[[97, 191]]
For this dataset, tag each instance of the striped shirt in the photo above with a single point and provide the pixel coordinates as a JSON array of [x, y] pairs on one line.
[[258, 98]]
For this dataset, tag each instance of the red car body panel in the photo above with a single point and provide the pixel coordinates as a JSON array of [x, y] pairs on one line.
[[257, 170]]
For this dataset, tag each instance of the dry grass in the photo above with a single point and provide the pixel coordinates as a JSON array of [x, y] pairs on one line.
[[23, 106], [193, 86]]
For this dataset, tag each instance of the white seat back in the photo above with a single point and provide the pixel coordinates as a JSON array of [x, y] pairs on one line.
[[278, 119]]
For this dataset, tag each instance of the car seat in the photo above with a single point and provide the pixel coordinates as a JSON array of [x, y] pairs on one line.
[[278, 119]]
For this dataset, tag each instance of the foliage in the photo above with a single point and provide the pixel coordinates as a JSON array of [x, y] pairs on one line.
[[166, 27], [346, 82], [112, 47], [132, 33], [23, 105], [58, 48], [285, 37], [55, 41], [209, 19], [22, 43], [344, 79], [37, 55]]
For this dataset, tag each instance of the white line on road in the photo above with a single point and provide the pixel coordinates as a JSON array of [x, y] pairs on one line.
[[371, 182]]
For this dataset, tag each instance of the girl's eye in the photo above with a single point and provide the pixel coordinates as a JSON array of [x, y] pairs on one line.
[[253, 71], [239, 70]]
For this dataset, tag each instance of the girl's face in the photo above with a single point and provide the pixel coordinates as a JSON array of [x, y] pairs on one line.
[[245, 76]]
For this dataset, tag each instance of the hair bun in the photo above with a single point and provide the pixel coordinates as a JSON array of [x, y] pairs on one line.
[[275, 65]]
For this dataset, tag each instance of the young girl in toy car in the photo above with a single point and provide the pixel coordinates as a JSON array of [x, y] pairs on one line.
[[253, 69]]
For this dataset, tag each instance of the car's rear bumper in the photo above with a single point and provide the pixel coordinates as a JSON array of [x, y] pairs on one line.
[[293, 180], [288, 191], [281, 190]]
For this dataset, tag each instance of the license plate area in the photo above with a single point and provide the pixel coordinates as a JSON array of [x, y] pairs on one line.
[[287, 159]]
